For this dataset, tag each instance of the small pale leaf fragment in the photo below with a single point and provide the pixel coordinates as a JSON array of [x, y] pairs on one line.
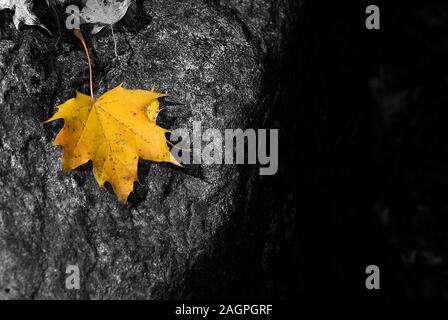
[[103, 13], [22, 12]]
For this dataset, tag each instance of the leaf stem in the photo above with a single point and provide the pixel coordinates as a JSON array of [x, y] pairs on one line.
[[78, 33], [115, 40]]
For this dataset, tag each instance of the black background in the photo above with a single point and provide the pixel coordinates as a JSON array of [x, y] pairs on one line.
[[363, 164], [372, 106]]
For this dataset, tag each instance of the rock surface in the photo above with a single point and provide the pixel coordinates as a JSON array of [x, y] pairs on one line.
[[213, 58]]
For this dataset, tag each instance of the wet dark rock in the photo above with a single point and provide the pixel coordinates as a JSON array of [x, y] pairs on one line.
[[214, 59]]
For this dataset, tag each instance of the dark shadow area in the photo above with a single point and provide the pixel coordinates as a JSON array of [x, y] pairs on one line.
[[362, 116]]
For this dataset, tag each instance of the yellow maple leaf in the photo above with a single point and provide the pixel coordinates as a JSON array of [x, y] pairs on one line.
[[113, 132]]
